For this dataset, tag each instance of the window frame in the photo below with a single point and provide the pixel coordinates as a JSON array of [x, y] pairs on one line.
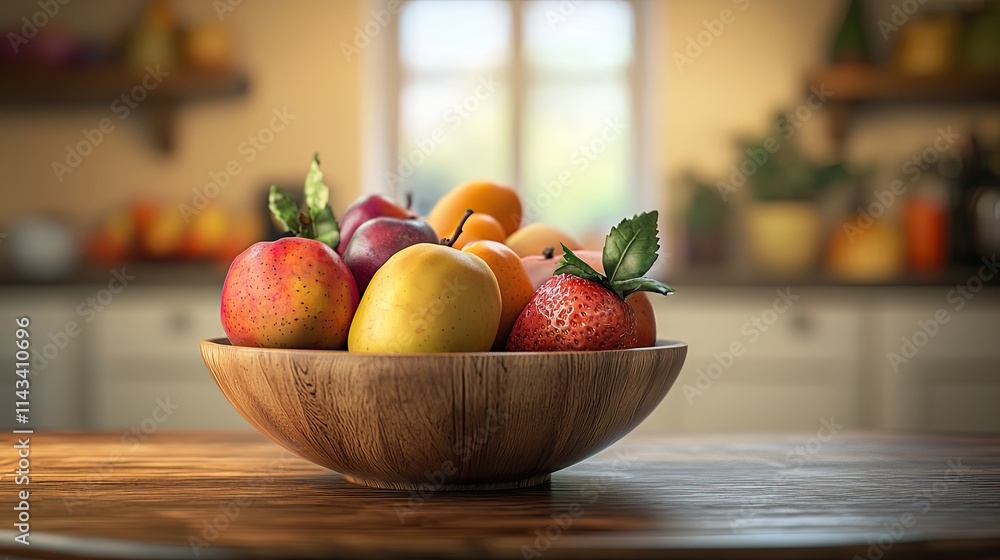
[[383, 79]]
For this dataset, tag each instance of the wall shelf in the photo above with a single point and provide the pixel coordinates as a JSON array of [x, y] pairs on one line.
[[854, 85], [48, 87]]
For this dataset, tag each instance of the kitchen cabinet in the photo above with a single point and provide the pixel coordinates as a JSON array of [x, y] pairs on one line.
[[146, 359], [937, 361], [760, 359], [56, 384], [799, 361], [826, 357]]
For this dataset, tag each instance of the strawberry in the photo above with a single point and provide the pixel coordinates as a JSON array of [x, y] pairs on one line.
[[582, 309]]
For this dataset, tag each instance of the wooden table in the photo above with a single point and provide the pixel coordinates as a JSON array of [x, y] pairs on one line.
[[223, 495]]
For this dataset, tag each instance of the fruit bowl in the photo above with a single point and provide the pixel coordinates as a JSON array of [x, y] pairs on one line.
[[455, 421]]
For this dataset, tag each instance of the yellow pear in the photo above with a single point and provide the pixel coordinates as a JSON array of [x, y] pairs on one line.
[[428, 298]]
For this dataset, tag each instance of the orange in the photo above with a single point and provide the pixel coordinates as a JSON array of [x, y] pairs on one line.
[[477, 227], [645, 320], [515, 287], [482, 197]]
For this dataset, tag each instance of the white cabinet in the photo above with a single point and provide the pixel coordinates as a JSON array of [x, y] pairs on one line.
[[937, 361], [147, 362], [827, 357], [761, 360], [757, 361], [58, 346]]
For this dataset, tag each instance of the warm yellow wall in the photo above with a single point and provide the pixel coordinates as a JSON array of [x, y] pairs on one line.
[[291, 50], [753, 68]]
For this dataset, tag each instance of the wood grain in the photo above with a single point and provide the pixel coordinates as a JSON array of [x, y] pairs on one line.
[[459, 421], [677, 497]]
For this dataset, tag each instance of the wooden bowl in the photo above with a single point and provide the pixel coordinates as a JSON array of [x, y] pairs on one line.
[[458, 421]]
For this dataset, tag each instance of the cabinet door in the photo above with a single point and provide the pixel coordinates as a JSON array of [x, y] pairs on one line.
[[937, 363], [758, 361], [148, 362], [58, 347]]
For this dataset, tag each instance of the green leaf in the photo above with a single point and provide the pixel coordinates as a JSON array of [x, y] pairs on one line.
[[630, 248], [284, 209], [316, 191], [572, 264], [626, 287], [326, 227]]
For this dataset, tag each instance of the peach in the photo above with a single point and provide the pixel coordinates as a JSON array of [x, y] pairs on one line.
[[532, 239]]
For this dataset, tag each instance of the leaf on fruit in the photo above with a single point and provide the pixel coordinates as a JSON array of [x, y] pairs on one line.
[[630, 248], [326, 227], [572, 264], [629, 252], [626, 287], [284, 209], [316, 191]]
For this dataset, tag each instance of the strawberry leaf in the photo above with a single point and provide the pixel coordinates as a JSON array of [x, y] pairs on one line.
[[626, 287], [572, 264], [630, 248], [284, 209]]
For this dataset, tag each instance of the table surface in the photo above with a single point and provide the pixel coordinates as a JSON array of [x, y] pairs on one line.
[[223, 495]]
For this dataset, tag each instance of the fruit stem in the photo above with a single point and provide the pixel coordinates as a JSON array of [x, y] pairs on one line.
[[409, 201], [548, 252], [450, 241]]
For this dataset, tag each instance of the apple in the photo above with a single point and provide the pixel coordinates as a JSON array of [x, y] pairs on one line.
[[364, 209]]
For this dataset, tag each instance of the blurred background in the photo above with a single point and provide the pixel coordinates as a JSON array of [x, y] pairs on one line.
[[827, 175]]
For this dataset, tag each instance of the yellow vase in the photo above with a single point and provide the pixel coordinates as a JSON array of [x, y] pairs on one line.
[[784, 237]]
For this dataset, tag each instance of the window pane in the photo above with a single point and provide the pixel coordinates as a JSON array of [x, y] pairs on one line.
[[451, 131], [577, 155], [561, 35], [449, 35]]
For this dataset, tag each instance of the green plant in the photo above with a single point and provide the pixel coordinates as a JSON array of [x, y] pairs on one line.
[[706, 211], [782, 172]]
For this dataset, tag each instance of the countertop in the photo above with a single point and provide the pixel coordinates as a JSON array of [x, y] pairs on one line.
[[829, 494]]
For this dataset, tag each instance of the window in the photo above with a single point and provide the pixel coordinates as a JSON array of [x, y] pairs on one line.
[[539, 94]]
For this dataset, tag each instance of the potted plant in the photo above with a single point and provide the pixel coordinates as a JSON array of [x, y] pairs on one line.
[[784, 228], [705, 220]]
